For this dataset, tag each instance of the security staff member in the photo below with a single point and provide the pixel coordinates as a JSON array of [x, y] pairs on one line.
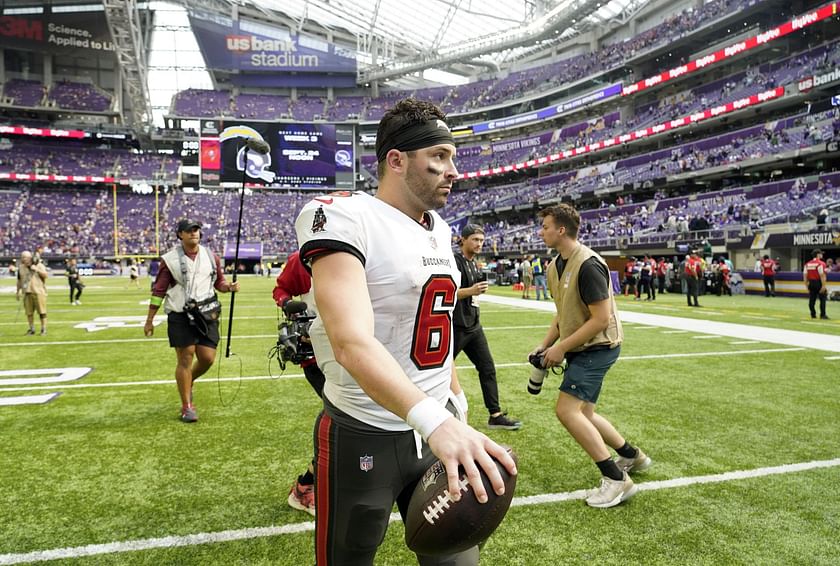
[[693, 276], [815, 280], [768, 270]]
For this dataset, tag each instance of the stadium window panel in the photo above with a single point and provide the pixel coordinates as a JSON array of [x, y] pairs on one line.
[[173, 69]]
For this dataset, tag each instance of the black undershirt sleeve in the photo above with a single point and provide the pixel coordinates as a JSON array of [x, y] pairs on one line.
[[593, 281]]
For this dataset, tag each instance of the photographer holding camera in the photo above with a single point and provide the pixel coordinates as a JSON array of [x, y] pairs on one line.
[[469, 335], [293, 345], [188, 275], [586, 332], [31, 281]]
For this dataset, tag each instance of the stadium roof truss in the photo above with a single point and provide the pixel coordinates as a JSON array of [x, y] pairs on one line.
[[398, 37], [124, 23]]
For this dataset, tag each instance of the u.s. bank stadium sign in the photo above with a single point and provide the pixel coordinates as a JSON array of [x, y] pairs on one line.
[[809, 83]]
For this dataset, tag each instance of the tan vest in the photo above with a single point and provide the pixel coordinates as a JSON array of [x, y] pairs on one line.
[[571, 308], [30, 279]]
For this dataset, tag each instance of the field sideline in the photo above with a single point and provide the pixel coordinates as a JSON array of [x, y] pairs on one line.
[[737, 403]]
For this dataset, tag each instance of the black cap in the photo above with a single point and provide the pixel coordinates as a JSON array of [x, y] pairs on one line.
[[471, 229], [186, 224]]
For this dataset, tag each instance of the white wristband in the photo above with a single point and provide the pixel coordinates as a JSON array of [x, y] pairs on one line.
[[462, 399], [426, 416]]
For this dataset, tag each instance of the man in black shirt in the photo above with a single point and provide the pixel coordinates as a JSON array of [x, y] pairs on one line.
[[469, 336], [74, 281]]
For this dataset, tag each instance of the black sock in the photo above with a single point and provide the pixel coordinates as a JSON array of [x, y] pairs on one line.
[[609, 469], [627, 451], [306, 479]]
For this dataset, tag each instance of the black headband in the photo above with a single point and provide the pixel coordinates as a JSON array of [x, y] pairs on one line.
[[414, 136]]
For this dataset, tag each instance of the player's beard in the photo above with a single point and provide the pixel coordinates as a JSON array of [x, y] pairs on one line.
[[425, 186]]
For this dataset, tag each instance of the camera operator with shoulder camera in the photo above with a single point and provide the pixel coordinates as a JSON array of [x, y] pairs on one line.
[[188, 275], [293, 345]]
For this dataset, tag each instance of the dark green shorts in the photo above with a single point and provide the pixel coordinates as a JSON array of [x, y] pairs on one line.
[[585, 372]]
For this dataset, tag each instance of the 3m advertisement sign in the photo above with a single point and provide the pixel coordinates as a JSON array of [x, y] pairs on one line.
[[87, 31], [230, 44]]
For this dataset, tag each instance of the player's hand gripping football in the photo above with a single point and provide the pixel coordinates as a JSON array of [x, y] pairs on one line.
[[456, 443]]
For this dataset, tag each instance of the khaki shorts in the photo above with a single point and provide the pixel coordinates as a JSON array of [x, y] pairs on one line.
[[33, 302]]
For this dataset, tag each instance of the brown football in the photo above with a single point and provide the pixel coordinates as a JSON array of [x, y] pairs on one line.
[[436, 525]]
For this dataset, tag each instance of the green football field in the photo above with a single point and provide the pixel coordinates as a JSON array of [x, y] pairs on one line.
[[743, 433]]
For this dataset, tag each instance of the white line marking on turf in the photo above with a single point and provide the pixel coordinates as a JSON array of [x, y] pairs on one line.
[[706, 337], [744, 342], [461, 367], [832, 358], [308, 526], [674, 331], [812, 340]]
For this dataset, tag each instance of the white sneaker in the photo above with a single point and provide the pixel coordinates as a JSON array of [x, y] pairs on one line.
[[78, 303], [638, 464], [612, 492]]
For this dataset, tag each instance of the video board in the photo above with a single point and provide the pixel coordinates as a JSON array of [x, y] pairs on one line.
[[300, 154]]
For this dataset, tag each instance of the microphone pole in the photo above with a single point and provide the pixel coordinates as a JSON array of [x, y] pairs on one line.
[[261, 147], [236, 252]]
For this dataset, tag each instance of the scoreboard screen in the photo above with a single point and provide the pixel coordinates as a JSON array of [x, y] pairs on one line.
[[300, 155]]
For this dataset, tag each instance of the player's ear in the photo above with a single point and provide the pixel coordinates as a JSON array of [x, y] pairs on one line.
[[395, 159]]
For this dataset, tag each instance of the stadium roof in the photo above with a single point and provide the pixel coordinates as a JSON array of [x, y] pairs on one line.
[[441, 32]]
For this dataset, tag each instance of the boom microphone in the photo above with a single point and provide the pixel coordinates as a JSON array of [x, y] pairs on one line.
[[258, 146]]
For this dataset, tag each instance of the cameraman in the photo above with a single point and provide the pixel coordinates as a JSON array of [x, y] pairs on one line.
[[469, 336], [31, 280], [188, 274], [294, 281], [586, 332]]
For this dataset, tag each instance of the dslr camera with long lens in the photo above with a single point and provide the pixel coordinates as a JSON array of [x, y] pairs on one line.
[[538, 372], [293, 343]]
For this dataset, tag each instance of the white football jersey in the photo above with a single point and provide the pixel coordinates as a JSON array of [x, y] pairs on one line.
[[412, 280]]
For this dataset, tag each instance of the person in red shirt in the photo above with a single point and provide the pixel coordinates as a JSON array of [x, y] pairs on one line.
[[725, 273], [815, 280], [768, 269], [630, 276], [294, 281], [693, 276], [661, 273]]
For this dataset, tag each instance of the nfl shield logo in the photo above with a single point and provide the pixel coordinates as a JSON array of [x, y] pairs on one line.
[[366, 463]]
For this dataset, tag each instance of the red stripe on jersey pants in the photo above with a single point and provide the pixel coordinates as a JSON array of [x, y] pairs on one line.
[[322, 489]]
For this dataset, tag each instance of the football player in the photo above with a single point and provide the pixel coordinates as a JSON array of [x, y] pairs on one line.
[[385, 285]]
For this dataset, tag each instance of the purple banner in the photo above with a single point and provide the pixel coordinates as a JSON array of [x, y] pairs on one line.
[[249, 46], [536, 141], [247, 250], [548, 112], [86, 31]]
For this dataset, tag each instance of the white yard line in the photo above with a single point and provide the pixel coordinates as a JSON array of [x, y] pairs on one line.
[[308, 526], [799, 338], [706, 337], [737, 342], [168, 382]]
